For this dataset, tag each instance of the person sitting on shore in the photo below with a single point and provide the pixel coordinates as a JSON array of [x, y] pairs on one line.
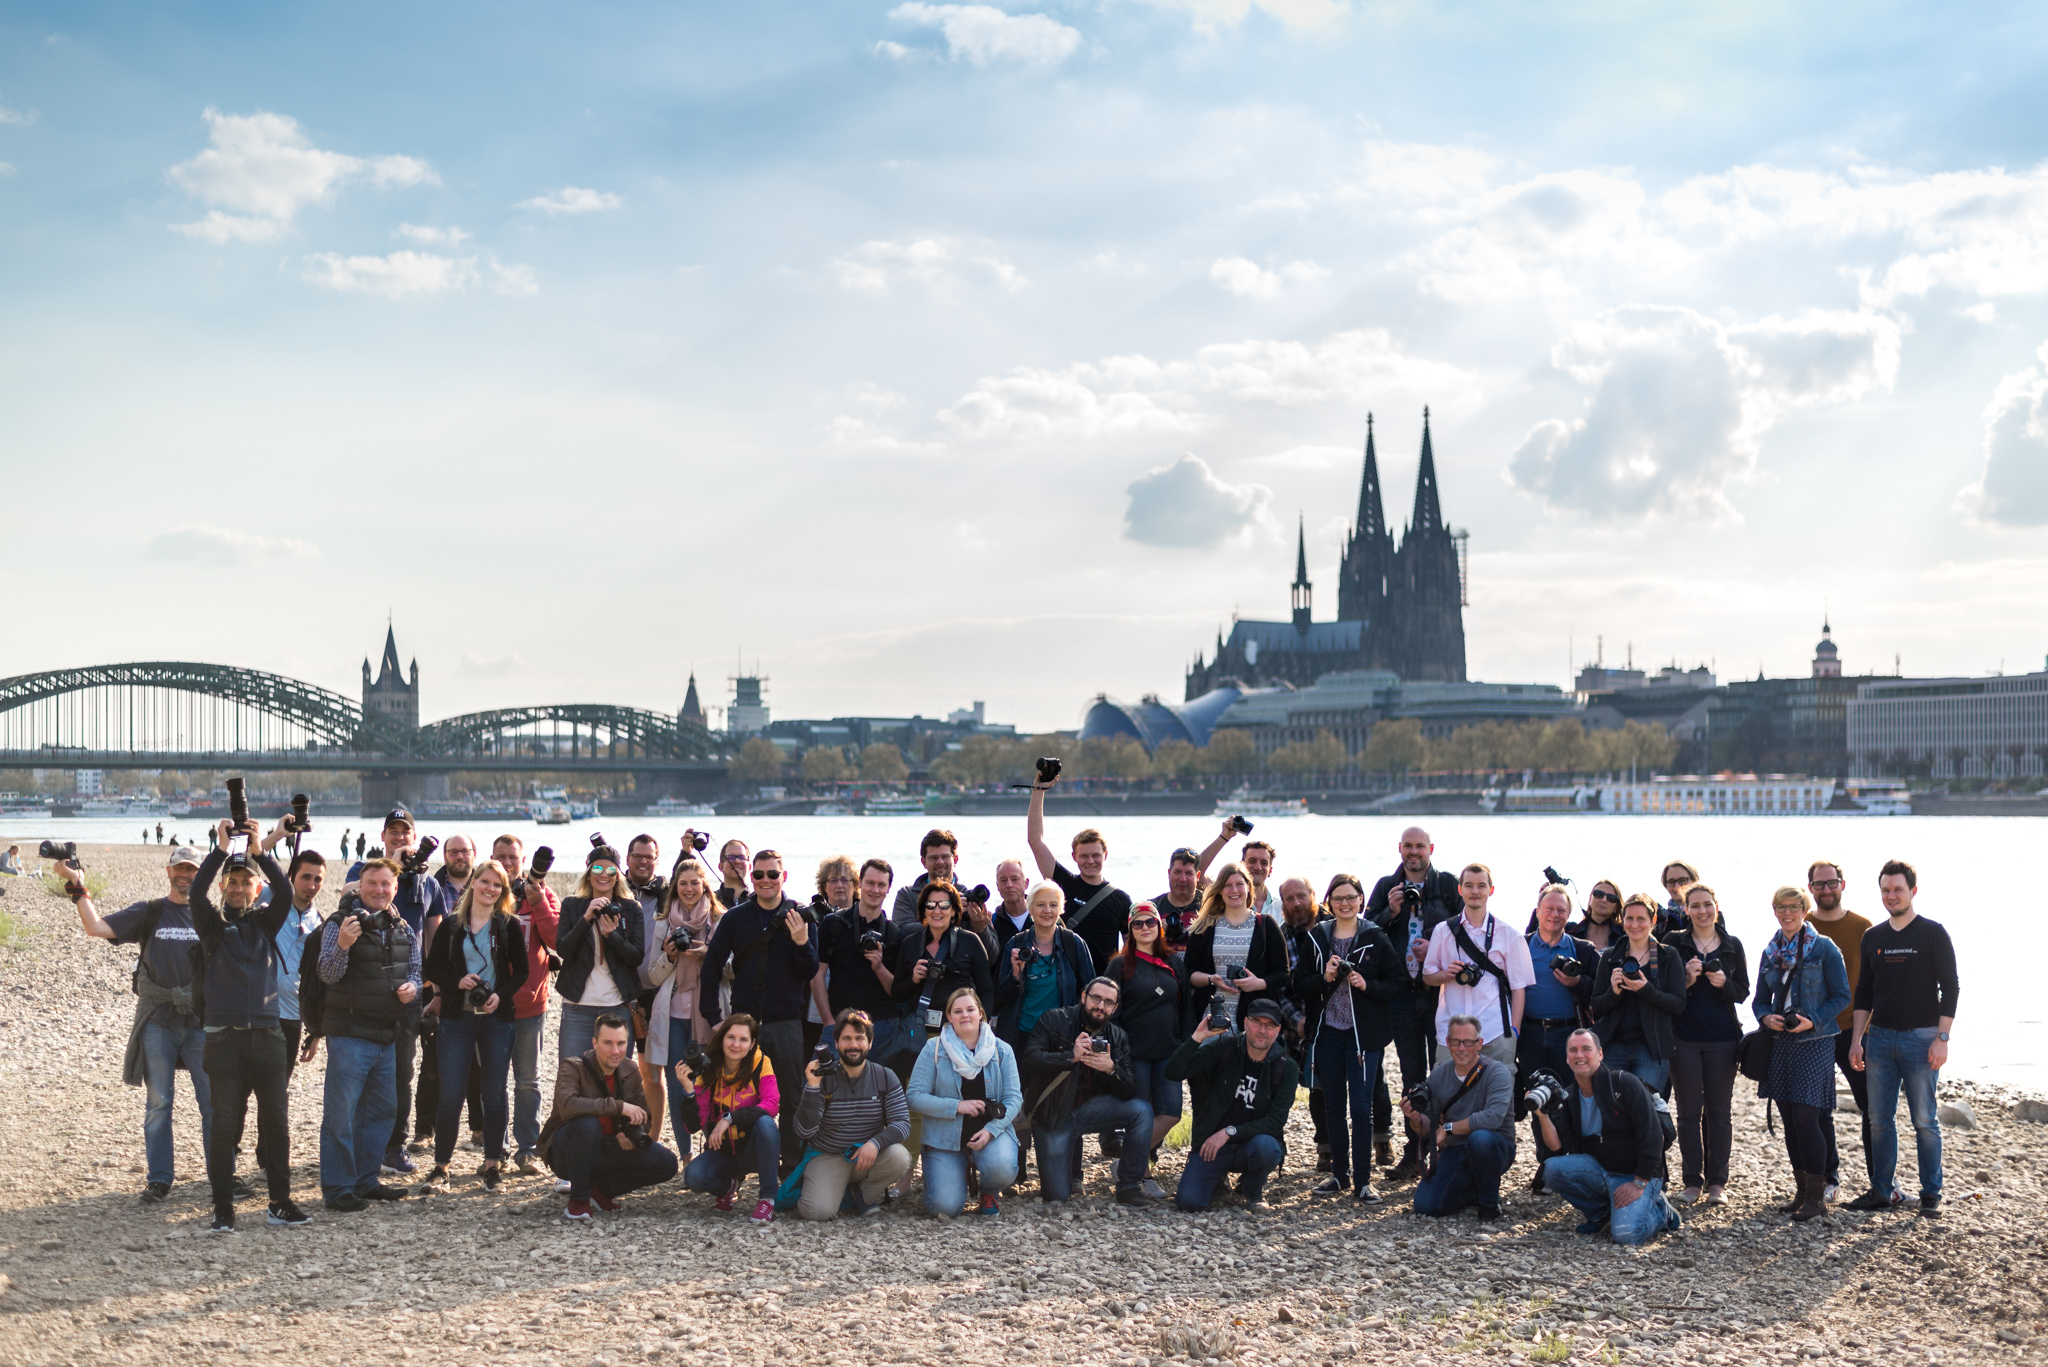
[[1612, 1162], [10, 862], [596, 1137]]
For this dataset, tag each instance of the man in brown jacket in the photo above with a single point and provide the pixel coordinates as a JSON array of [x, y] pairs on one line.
[[596, 1136]]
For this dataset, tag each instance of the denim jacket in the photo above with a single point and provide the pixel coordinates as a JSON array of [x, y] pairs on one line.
[[935, 1094], [1820, 994]]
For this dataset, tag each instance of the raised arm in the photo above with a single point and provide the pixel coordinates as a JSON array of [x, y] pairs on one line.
[[1034, 830]]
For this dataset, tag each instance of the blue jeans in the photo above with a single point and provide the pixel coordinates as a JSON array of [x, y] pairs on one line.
[[162, 1051], [526, 1083], [1155, 1088], [1579, 1179], [1252, 1159], [1466, 1174], [945, 1173], [361, 1095], [679, 1035], [760, 1153], [1348, 1086], [1654, 1073], [579, 1027], [1895, 1059], [1129, 1120], [461, 1041]]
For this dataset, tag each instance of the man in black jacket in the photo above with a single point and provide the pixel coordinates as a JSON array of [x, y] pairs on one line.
[[1242, 1088], [1612, 1161], [245, 1048], [858, 976], [1077, 1069], [1408, 904], [774, 956]]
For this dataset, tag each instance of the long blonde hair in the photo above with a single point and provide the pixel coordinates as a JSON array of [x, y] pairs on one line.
[[1212, 900], [504, 903]]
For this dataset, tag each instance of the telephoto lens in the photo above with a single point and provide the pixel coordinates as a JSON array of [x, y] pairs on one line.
[[66, 852], [826, 1058], [1545, 1092], [597, 840], [543, 860], [978, 893], [238, 813], [238, 801], [301, 820]]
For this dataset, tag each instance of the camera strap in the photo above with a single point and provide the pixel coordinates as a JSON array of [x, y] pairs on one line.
[[1485, 964], [1087, 908]]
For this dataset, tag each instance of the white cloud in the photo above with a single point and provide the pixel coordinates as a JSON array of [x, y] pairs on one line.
[[417, 232], [1681, 404], [512, 279], [1130, 394], [260, 171], [199, 544], [1249, 280], [1185, 507], [983, 35], [475, 665], [934, 262], [2013, 491], [572, 199], [396, 276], [1211, 15], [16, 116]]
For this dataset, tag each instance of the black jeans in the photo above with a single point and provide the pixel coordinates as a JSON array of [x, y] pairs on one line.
[[293, 1033], [408, 1042], [1703, 1085], [1414, 1016], [583, 1154], [1541, 1045], [1805, 1136], [1859, 1087], [783, 1043], [239, 1063]]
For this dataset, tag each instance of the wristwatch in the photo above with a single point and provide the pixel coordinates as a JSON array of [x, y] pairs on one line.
[[1230, 1131], [1941, 1035]]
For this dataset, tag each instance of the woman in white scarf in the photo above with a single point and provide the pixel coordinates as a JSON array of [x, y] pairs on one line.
[[966, 1090], [676, 1016]]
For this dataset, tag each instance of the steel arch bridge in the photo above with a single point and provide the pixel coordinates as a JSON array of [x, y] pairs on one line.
[[172, 714]]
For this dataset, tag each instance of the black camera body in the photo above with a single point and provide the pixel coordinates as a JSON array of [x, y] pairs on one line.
[[1240, 825], [979, 893], [1411, 897], [1710, 964], [1467, 975], [1048, 769], [476, 997], [827, 1059], [1546, 1092], [238, 816], [1567, 964], [1219, 1012], [1631, 969], [1551, 875], [416, 859], [680, 939], [543, 860], [699, 841], [1097, 1045], [301, 820], [870, 940], [637, 1135], [66, 852], [693, 1053]]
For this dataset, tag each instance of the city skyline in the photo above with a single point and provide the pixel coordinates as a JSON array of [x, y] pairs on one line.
[[932, 353]]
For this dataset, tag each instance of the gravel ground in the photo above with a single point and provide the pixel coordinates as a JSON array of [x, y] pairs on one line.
[[88, 1275]]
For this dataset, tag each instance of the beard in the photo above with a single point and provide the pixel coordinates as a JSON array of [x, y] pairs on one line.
[[852, 1058]]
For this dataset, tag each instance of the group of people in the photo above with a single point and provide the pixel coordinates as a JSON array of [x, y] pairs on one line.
[[840, 1046]]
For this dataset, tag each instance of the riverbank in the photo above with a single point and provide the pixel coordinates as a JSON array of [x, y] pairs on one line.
[[470, 1277]]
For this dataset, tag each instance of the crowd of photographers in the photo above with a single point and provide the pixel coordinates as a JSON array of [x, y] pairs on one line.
[[844, 1046]]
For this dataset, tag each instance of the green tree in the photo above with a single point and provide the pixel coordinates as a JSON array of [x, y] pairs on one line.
[[1395, 747], [883, 763], [824, 764], [758, 761], [1176, 759], [1230, 751], [1649, 748]]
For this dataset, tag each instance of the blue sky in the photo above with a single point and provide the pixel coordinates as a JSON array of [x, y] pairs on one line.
[[596, 343]]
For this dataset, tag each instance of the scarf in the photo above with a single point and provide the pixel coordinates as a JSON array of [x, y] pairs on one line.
[[968, 1065], [1781, 953], [1153, 959]]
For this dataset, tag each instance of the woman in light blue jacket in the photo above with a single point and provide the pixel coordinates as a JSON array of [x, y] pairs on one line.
[[1802, 985], [965, 1088]]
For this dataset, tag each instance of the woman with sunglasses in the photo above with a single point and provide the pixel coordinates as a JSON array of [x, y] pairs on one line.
[[1676, 878], [602, 941], [1703, 1068], [1802, 985], [477, 948], [676, 1021], [1152, 1012], [948, 956], [1602, 921], [1638, 991], [1346, 975], [1232, 950]]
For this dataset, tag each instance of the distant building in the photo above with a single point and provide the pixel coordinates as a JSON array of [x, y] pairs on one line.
[[1348, 704], [1154, 722], [692, 713], [1949, 728], [748, 715], [1791, 726], [1398, 608], [393, 696]]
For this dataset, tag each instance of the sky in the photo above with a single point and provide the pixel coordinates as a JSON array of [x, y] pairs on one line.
[[927, 353]]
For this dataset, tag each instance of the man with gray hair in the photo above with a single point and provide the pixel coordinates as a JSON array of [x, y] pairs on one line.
[[1470, 1120]]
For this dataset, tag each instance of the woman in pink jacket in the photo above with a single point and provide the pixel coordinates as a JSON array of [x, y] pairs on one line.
[[737, 1102]]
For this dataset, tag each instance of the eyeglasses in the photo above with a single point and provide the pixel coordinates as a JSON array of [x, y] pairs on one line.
[[767, 875], [1099, 1000], [839, 878], [1463, 1043], [1344, 898], [1140, 922], [1825, 884]]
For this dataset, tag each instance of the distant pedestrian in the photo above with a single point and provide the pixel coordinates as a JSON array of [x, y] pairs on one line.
[[359, 845], [159, 833]]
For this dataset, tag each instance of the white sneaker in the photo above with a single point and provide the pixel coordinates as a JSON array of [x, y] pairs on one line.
[[561, 1184], [1830, 1192]]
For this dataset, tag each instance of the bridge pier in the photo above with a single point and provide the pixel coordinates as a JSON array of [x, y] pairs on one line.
[[383, 790]]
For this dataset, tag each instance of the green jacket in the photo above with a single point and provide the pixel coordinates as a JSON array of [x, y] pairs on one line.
[[1213, 1070]]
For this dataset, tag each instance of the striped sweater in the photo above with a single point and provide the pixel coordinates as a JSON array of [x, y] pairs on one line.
[[848, 1112]]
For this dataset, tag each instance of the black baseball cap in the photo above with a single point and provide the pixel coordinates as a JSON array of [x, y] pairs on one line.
[[398, 816], [1263, 1011]]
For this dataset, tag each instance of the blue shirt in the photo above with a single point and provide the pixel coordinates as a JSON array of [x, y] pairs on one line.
[[1590, 1123], [1041, 989], [299, 927], [476, 955], [1547, 998]]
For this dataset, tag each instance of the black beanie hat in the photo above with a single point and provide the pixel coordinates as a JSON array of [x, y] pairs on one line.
[[604, 852]]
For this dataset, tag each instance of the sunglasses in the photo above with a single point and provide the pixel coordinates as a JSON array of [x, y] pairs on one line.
[[767, 875], [1598, 896], [604, 869], [1184, 855], [1138, 922]]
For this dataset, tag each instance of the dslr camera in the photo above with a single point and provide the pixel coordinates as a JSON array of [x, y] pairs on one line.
[[679, 939], [827, 1059], [476, 997], [1567, 964], [699, 841], [1631, 969], [537, 869], [1411, 897], [238, 814], [1219, 1013], [1467, 975], [1048, 770], [1546, 1093], [1240, 825], [870, 940], [978, 894], [300, 821], [67, 852], [416, 859]]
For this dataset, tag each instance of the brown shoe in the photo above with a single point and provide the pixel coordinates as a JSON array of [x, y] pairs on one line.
[[1811, 1185]]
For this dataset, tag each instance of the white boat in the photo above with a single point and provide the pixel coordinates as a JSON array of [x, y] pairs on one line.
[[893, 806], [123, 806], [1242, 803], [21, 811], [1876, 797], [831, 809], [677, 807], [551, 814], [583, 811], [1526, 799]]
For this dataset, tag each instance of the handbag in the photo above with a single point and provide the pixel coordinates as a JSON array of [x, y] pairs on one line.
[[1753, 1055]]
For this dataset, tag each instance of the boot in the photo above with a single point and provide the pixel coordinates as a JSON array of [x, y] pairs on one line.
[[1811, 1185], [1325, 1162], [1383, 1149]]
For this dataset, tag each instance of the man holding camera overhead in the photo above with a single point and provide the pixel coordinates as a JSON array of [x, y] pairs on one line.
[[416, 900], [245, 1046], [1097, 911], [767, 939], [369, 971], [167, 1033], [1409, 904]]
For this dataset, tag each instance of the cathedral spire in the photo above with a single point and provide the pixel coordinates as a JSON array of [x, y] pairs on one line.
[[1372, 520], [1428, 515], [1301, 588]]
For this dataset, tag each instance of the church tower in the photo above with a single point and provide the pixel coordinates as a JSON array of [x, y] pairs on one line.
[[1365, 575], [392, 697], [1431, 641], [1301, 591]]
